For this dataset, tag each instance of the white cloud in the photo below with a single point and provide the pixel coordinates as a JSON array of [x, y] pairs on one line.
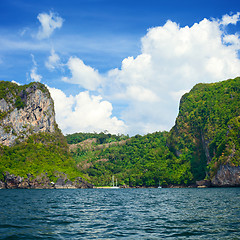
[[33, 60], [148, 88], [173, 59], [227, 19], [84, 113], [9, 44], [16, 83], [83, 75], [137, 70], [34, 76], [53, 61], [178, 94], [141, 94], [232, 39], [49, 22], [24, 31]]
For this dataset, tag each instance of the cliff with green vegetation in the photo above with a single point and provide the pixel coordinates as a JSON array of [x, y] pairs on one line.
[[143, 161], [204, 144], [207, 132], [24, 110], [203, 147], [33, 151]]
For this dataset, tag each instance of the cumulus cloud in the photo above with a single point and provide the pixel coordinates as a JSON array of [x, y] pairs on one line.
[[141, 94], [172, 61], [49, 22], [147, 88], [83, 75], [230, 19], [84, 113], [232, 39], [53, 61]]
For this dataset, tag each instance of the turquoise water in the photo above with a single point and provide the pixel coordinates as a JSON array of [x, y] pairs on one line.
[[120, 214]]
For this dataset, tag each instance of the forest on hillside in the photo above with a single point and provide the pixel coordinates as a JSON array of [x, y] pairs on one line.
[[138, 161], [40, 153], [206, 136], [207, 129]]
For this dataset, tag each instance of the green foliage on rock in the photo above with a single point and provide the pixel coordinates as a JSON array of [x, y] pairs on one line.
[[9, 90], [206, 132], [19, 103], [101, 138], [138, 161], [16, 96], [40, 153], [206, 135]]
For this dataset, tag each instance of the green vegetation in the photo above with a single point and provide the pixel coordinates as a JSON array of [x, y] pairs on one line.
[[207, 130], [17, 95], [40, 153], [19, 103], [138, 161], [100, 137], [9, 90], [206, 135]]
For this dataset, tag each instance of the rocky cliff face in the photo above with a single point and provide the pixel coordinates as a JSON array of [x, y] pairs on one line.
[[24, 110], [227, 176], [33, 151], [41, 182]]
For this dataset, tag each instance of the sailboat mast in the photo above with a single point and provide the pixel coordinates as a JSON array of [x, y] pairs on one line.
[[113, 180]]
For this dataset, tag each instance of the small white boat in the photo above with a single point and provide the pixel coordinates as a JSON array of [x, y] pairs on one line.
[[113, 186]]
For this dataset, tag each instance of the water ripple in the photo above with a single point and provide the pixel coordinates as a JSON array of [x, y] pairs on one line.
[[120, 214]]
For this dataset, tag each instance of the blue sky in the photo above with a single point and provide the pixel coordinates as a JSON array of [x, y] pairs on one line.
[[120, 66]]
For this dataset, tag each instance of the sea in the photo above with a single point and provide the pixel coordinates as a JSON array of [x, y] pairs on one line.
[[151, 213]]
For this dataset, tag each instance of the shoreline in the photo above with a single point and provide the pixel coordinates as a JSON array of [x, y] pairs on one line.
[[73, 187]]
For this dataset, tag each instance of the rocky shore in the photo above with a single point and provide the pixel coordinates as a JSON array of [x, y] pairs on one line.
[[10, 181], [227, 176]]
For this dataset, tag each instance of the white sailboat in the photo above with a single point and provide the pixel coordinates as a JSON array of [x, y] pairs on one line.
[[113, 186]]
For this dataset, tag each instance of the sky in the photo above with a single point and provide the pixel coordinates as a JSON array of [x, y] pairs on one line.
[[119, 66]]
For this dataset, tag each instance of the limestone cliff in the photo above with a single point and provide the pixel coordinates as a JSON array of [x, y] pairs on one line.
[[24, 110], [33, 151], [227, 176]]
